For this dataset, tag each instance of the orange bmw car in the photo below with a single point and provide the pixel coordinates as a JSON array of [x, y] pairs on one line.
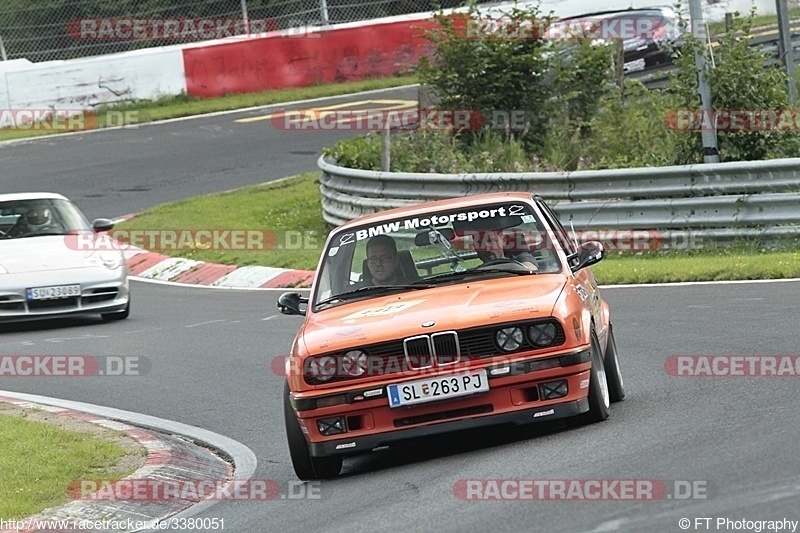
[[443, 316]]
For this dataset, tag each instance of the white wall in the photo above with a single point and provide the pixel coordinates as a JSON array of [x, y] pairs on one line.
[[84, 83], [147, 74]]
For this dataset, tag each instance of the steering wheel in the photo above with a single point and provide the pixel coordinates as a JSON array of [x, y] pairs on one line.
[[494, 262]]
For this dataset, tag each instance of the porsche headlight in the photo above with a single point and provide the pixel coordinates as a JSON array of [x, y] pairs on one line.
[[322, 368], [355, 363], [508, 339], [111, 261]]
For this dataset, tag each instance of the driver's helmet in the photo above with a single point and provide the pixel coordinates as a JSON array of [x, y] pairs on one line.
[[39, 216]]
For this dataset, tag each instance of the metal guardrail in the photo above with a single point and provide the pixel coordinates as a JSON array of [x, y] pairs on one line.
[[711, 202]]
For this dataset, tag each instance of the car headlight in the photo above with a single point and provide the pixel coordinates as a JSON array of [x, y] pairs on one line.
[[508, 339], [109, 260], [322, 368], [355, 363], [544, 334], [3, 270]]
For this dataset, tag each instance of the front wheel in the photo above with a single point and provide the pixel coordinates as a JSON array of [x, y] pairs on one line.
[[599, 400], [305, 466]]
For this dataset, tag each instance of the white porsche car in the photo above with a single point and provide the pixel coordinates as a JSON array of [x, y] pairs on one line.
[[50, 266]]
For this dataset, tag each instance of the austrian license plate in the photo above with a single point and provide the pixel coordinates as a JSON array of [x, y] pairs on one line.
[[439, 388], [53, 293]]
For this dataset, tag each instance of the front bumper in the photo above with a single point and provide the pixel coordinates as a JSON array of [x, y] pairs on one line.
[[370, 442], [102, 291], [515, 396]]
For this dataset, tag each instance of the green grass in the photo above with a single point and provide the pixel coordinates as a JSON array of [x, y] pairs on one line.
[[716, 28], [290, 208], [183, 106], [38, 462], [740, 262], [295, 204]]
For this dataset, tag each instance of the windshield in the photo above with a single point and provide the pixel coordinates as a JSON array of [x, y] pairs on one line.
[[31, 218], [419, 252]]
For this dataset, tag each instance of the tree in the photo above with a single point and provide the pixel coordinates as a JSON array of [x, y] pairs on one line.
[[742, 81], [503, 64]]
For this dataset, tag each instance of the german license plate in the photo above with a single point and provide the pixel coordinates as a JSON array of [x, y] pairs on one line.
[[439, 388], [53, 293]]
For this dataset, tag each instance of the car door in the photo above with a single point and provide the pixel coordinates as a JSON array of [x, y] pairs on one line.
[[584, 281]]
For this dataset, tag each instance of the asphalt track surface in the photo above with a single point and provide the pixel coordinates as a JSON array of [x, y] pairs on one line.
[[210, 354], [121, 171]]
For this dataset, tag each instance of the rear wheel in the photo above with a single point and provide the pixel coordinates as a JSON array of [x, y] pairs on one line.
[[305, 466], [616, 388]]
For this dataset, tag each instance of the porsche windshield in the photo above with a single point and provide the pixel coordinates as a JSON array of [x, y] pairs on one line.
[[421, 251], [38, 217]]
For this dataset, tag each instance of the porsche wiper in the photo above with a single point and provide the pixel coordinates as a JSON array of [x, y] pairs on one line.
[[372, 289]]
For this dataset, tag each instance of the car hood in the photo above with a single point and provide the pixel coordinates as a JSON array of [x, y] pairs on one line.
[[449, 307], [36, 254]]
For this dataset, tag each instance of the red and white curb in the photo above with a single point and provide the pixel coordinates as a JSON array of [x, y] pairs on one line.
[[161, 267], [169, 458], [150, 265]]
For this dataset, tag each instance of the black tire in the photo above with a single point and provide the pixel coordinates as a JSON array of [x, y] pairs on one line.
[[306, 467], [598, 389], [120, 315], [616, 387]]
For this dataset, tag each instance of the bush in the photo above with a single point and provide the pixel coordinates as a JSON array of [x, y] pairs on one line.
[[363, 152], [634, 134], [576, 118], [739, 81], [434, 151], [485, 70]]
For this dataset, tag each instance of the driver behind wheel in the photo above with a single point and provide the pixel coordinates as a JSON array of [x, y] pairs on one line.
[[38, 219], [493, 245]]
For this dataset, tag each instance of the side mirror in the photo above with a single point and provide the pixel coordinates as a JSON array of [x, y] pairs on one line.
[[102, 224], [289, 303], [589, 253]]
